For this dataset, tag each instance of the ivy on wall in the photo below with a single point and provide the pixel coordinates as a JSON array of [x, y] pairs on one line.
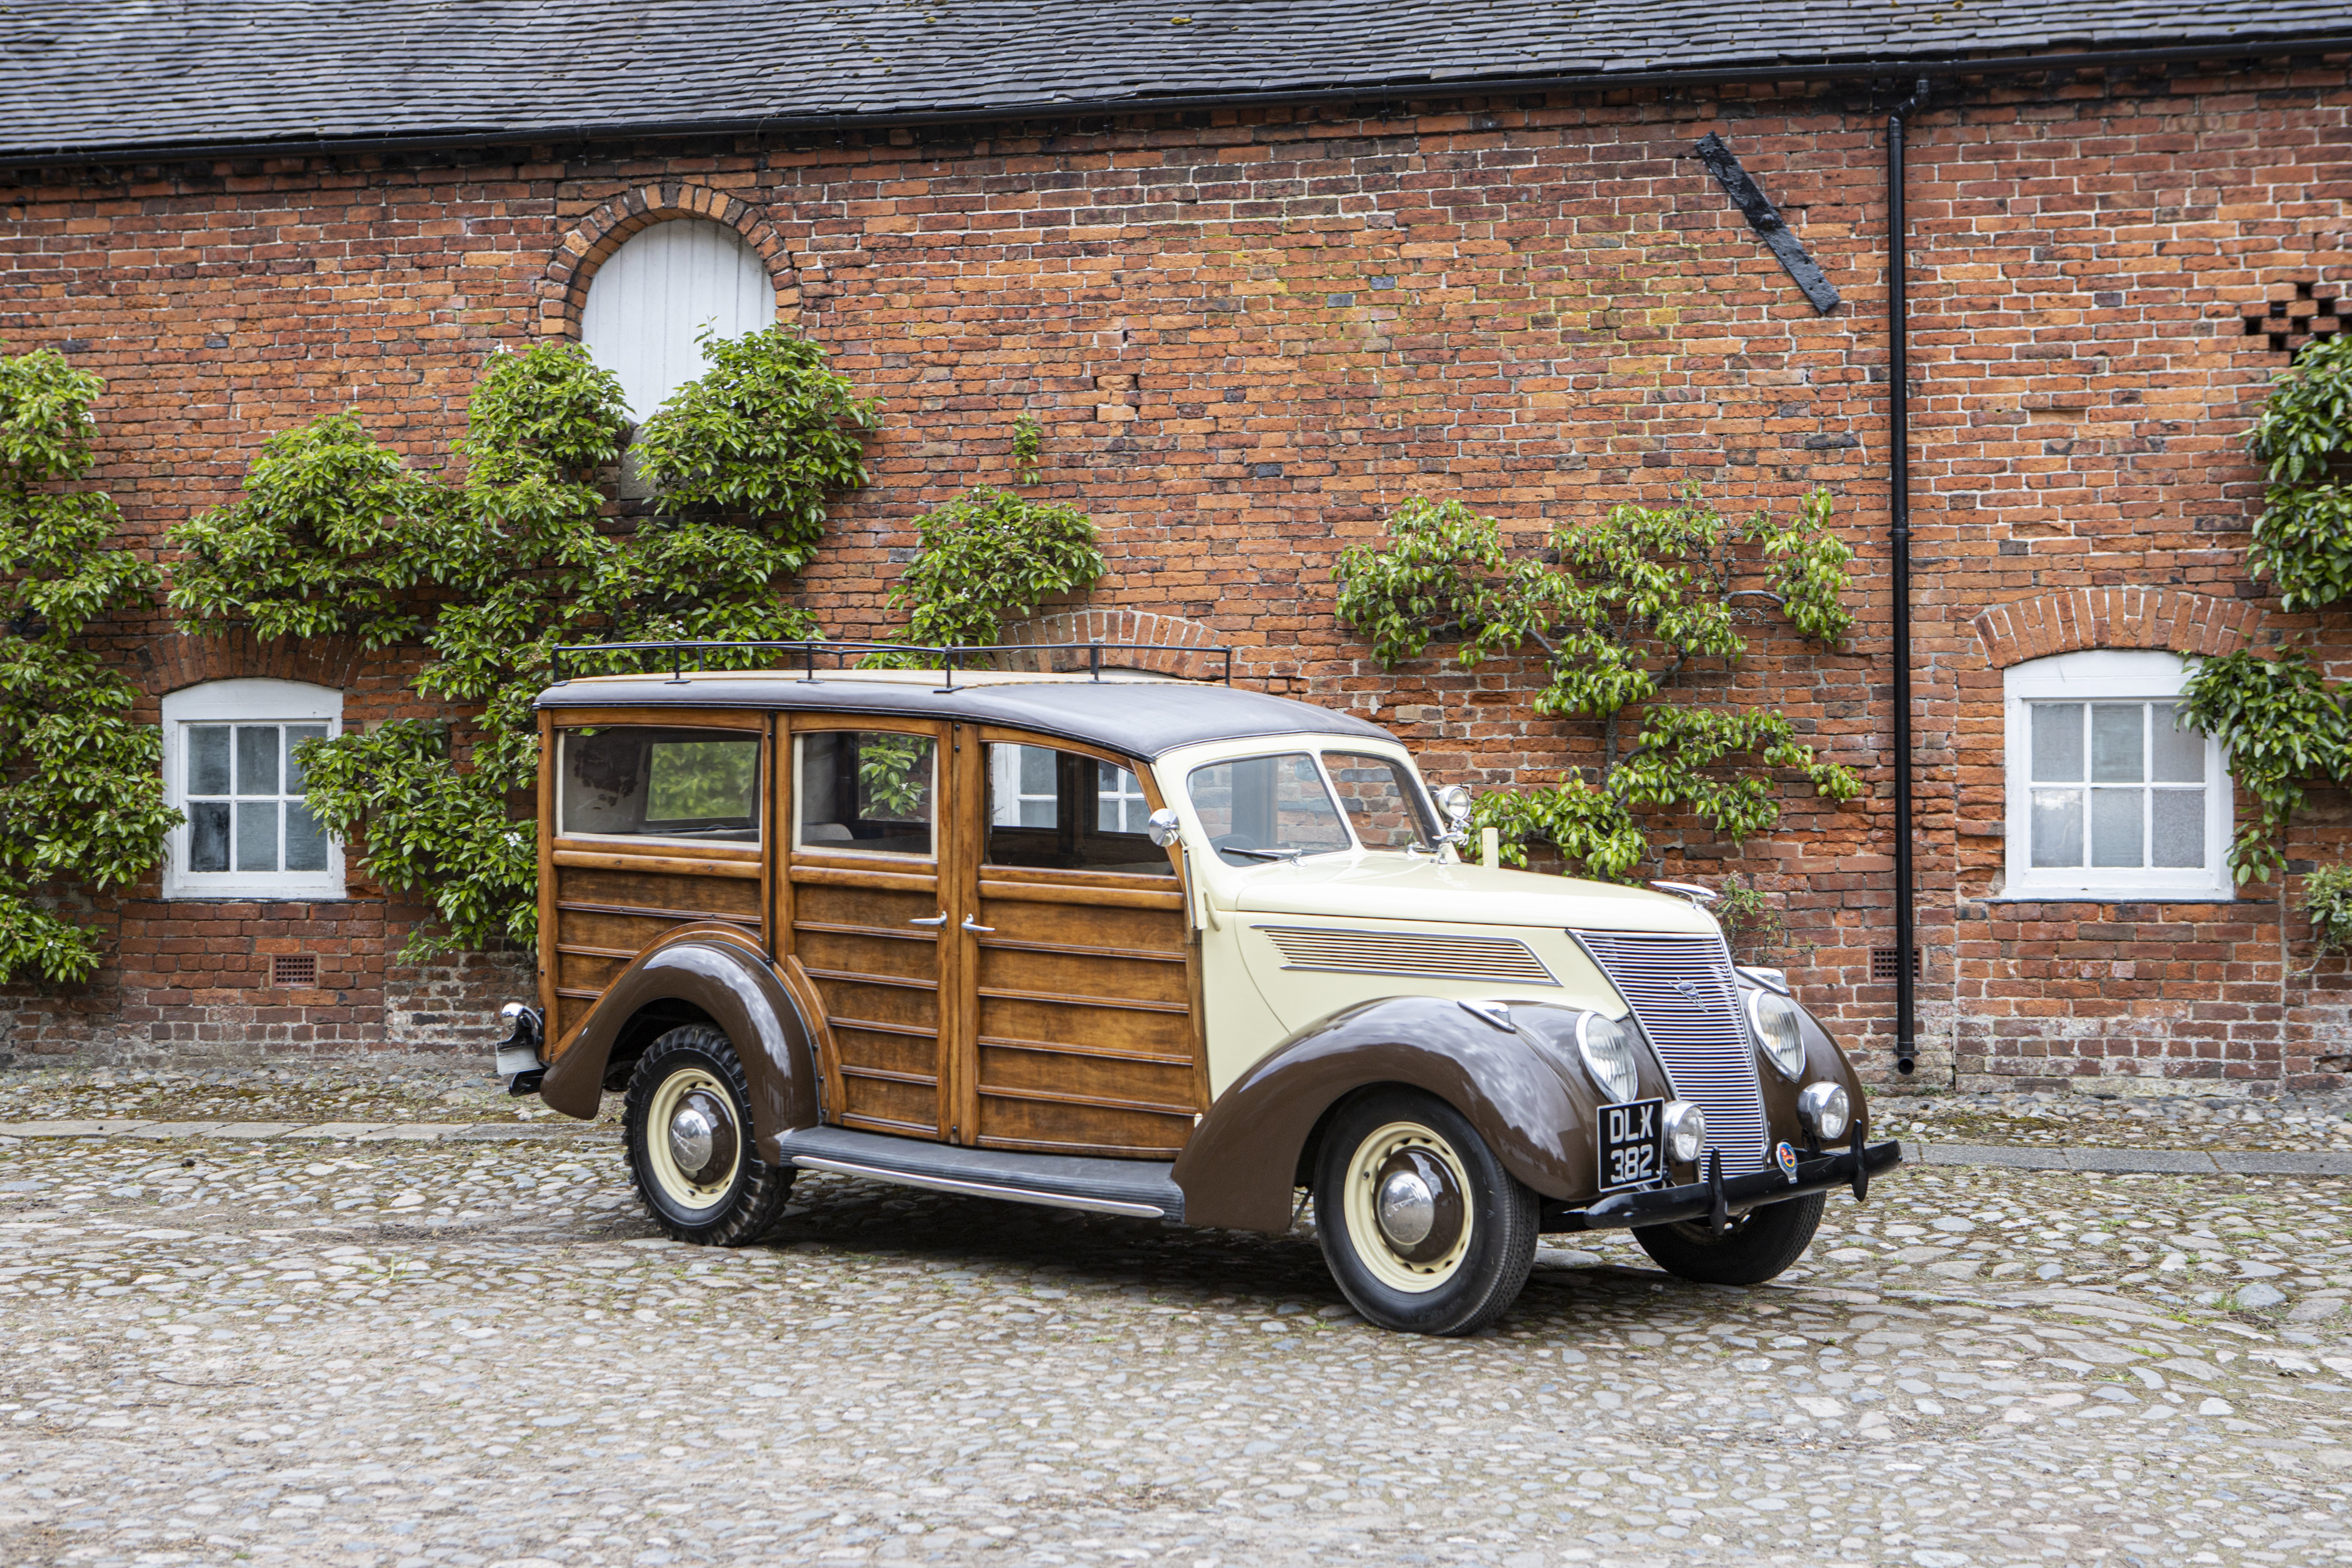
[[81, 785], [495, 562], [1620, 609]]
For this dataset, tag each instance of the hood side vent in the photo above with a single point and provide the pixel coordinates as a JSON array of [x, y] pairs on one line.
[[1481, 959]]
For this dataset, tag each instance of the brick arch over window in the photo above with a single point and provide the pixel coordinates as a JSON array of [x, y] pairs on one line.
[[2080, 618], [564, 287], [1171, 645], [182, 660]]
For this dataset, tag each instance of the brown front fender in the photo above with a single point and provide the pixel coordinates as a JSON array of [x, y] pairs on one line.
[[720, 972], [1242, 1164]]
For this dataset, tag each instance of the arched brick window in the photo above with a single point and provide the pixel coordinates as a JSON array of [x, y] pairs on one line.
[[665, 286]]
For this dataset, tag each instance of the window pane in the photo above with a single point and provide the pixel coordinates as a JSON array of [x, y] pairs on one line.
[[701, 787], [2119, 742], [866, 790], [2180, 754], [295, 735], [2058, 743], [2058, 827], [1267, 808], [1110, 837], [208, 827], [2179, 823], [668, 784], [257, 824], [257, 759], [2117, 826], [1382, 800], [306, 841], [208, 762]]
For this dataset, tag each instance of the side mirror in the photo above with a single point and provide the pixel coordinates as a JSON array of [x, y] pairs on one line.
[[1164, 827], [1455, 801]]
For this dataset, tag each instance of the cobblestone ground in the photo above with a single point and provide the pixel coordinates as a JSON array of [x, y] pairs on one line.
[[306, 1352]]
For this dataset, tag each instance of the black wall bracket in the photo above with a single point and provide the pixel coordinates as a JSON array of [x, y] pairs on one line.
[[1766, 220]]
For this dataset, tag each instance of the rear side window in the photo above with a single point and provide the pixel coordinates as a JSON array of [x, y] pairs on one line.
[[1267, 808], [1383, 799], [697, 784], [868, 792]]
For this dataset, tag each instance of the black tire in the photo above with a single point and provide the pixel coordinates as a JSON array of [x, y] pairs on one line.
[[732, 1197], [1759, 1245], [1476, 1253]]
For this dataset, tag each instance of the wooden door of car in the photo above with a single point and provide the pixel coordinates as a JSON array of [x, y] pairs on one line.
[[867, 894], [1078, 988]]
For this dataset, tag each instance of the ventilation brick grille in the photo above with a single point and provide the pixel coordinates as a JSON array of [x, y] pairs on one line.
[[293, 970], [1882, 964], [2298, 322]]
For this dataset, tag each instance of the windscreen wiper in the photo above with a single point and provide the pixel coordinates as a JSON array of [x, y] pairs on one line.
[[1290, 855]]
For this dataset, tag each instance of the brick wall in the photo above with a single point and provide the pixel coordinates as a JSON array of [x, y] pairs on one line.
[[1249, 334]]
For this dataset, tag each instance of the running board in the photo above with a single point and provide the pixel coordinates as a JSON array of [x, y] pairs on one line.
[[1141, 1188]]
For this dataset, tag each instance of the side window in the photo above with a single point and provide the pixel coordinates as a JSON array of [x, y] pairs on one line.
[[699, 785], [1065, 811], [866, 792], [1267, 808], [229, 764], [1383, 801], [2109, 796]]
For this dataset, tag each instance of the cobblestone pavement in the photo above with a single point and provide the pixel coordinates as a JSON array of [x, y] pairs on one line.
[[400, 1352]]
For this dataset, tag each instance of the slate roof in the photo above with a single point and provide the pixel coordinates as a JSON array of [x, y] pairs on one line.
[[83, 75]]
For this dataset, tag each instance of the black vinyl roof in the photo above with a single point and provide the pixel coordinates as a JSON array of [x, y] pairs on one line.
[[81, 76], [1142, 718]]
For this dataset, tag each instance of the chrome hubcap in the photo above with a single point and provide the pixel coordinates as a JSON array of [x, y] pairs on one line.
[[1407, 1209], [690, 1137]]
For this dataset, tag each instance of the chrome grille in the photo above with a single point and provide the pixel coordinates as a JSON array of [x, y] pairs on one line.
[[1684, 997], [1501, 961]]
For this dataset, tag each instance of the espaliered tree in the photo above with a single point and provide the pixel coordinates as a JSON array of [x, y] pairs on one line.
[[2284, 726], [513, 552], [1625, 611], [81, 785]]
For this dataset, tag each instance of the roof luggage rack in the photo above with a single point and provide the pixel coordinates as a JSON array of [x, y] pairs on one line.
[[952, 657]]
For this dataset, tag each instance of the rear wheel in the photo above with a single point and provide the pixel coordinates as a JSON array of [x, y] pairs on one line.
[[686, 1128], [1422, 1228], [1758, 1246]]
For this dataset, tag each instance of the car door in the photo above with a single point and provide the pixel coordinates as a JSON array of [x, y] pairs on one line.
[[865, 896], [1078, 1018]]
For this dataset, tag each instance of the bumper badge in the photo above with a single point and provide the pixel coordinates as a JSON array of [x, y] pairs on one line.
[[1786, 1158]]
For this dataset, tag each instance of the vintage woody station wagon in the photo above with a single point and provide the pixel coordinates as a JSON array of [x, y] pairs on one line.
[[1150, 947]]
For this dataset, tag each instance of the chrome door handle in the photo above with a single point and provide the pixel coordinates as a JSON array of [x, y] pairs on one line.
[[976, 929], [937, 919]]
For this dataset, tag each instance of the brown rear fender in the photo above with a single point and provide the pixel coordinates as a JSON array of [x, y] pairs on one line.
[[1242, 1164], [718, 971]]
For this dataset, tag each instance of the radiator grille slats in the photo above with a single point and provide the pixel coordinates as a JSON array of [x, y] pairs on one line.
[[1500, 961], [1683, 994]]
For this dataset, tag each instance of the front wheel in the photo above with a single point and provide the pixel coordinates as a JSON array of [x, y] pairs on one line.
[[687, 1130], [1758, 1246], [1422, 1228]]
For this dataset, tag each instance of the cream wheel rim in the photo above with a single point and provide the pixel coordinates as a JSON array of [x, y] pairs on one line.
[[1367, 1234], [685, 1095]]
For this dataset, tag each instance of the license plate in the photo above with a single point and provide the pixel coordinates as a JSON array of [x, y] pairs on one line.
[[1633, 1145]]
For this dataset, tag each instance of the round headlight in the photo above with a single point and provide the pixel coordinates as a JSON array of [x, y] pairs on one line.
[[1612, 1051], [1824, 1110], [1778, 1030]]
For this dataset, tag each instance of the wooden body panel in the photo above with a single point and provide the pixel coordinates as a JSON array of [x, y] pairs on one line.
[[1054, 1010]]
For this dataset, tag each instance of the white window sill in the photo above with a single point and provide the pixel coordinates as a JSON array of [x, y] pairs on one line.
[[248, 892], [2183, 895]]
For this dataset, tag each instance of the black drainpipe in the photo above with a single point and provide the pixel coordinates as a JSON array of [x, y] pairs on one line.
[[1898, 443]]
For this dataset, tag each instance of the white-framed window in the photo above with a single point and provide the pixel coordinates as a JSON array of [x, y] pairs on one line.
[[229, 766], [2108, 795], [651, 297]]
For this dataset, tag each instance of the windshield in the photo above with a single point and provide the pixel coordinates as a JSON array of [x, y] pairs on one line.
[[1267, 808], [1383, 801]]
